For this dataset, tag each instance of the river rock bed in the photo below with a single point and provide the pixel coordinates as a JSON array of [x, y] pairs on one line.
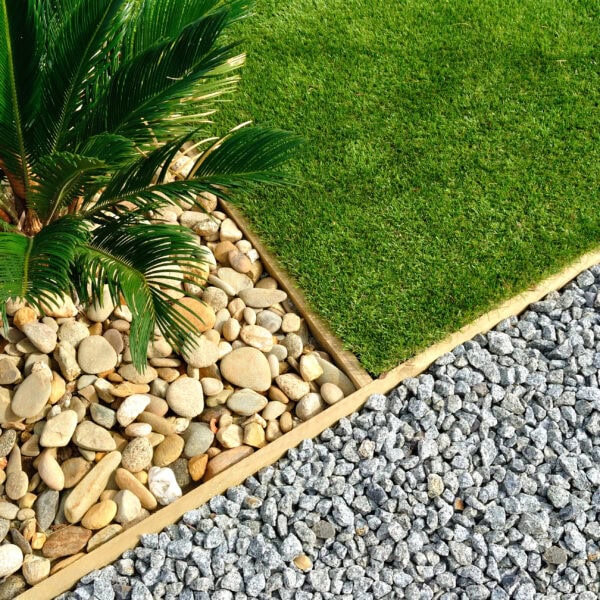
[[89, 446], [479, 479]]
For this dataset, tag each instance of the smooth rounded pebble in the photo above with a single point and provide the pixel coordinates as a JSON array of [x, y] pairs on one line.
[[186, 397], [96, 355]]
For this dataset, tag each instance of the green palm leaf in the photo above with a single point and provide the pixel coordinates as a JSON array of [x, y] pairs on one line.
[[164, 19], [83, 36], [38, 269], [134, 260], [247, 155], [188, 66], [60, 177], [21, 42]]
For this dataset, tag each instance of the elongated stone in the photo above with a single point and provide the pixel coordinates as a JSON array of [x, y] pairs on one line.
[[88, 490], [32, 395], [66, 541], [225, 459]]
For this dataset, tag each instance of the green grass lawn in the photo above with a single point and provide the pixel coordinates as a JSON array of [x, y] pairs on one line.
[[452, 155]]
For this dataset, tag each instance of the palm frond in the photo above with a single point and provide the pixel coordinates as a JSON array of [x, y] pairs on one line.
[[59, 178], [38, 269], [20, 58], [135, 260], [247, 155], [189, 66], [163, 19], [83, 35]]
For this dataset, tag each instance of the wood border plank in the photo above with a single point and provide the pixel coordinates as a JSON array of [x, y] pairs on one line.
[[65, 579]]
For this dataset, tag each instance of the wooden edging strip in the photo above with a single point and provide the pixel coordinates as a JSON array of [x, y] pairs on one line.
[[66, 578], [328, 340]]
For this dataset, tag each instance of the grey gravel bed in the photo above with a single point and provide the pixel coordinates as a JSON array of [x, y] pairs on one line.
[[479, 479]]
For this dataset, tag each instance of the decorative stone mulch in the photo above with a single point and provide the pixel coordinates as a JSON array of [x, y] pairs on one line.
[[89, 446]]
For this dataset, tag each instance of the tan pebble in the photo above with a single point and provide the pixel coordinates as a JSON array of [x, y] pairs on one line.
[[239, 261], [23, 316], [99, 515], [273, 431], [303, 562], [277, 395], [273, 365], [126, 389], [27, 501], [331, 393], [168, 451], [141, 476], [88, 490], [35, 569], [62, 564], [107, 495], [91, 436], [31, 447], [38, 540], [225, 420], [310, 368], [17, 485], [249, 316], [236, 308], [292, 386], [103, 536], [273, 410], [211, 386], [25, 513], [200, 314], [127, 481], [130, 373], [309, 406], [255, 271], [231, 330], [222, 250], [255, 419], [230, 436], [225, 459], [166, 362], [138, 429], [257, 337], [157, 406], [28, 528], [168, 374], [267, 283], [197, 466], [286, 422], [291, 323], [58, 430], [159, 424], [212, 336], [113, 377], [213, 451], [34, 482], [2, 477], [155, 438], [66, 542], [95, 329], [58, 388], [254, 435]]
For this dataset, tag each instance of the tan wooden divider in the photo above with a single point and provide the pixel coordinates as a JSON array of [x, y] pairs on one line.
[[66, 578]]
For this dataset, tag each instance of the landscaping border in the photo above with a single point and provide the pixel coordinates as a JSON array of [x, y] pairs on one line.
[[111, 550]]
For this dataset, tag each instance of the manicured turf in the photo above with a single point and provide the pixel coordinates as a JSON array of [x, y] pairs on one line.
[[452, 155]]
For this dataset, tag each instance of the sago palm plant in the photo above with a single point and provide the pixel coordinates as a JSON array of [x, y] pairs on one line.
[[96, 99]]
